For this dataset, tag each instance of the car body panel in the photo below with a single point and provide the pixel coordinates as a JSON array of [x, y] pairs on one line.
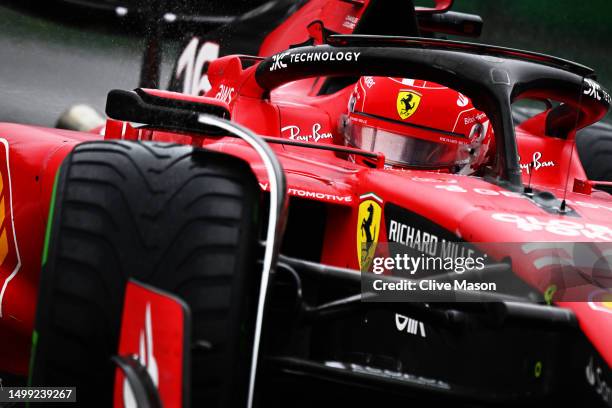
[[465, 208]]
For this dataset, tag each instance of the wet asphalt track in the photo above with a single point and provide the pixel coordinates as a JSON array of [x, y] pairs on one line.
[[47, 65]]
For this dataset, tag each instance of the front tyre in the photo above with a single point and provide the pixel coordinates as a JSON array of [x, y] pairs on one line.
[[177, 218]]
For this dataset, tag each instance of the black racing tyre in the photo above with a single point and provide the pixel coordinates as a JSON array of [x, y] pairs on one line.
[[178, 218], [594, 145]]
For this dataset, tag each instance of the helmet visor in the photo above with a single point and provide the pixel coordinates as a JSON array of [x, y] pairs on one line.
[[402, 149]]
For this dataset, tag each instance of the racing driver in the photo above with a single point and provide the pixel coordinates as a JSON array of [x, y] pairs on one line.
[[417, 124]]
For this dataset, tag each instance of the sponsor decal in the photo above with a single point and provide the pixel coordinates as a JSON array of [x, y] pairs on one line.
[[321, 196], [601, 300], [368, 229], [280, 61], [536, 163], [409, 325], [426, 242], [561, 227], [413, 237], [10, 261], [595, 378], [225, 94], [595, 91], [350, 22], [453, 186], [313, 194], [191, 64], [419, 233], [476, 118], [462, 100], [433, 180], [393, 375], [421, 238], [407, 103], [369, 81], [452, 141], [315, 135], [145, 357]]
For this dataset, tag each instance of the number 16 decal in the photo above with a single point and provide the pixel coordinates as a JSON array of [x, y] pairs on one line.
[[191, 63]]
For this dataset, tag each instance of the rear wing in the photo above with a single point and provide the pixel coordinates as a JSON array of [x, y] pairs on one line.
[[493, 77]]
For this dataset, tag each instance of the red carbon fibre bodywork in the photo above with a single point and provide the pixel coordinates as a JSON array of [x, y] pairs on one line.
[[154, 327], [463, 205], [34, 155]]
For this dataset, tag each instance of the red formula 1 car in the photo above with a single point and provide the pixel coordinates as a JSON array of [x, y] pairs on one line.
[[150, 237]]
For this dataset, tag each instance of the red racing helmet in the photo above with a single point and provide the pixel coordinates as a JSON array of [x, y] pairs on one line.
[[417, 124]]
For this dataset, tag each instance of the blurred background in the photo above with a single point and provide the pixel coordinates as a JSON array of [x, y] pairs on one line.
[[576, 30], [54, 54]]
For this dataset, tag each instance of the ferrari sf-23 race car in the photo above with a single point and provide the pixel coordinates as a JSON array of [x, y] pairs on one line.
[[207, 250], [228, 263]]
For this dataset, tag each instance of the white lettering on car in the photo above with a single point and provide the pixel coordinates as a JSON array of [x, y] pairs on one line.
[[412, 326], [452, 188], [536, 163], [225, 94], [595, 91], [472, 119], [313, 194], [315, 135], [278, 60], [194, 83], [350, 22], [558, 227]]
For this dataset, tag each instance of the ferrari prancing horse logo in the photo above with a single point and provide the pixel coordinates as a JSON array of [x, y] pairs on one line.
[[368, 228], [407, 103]]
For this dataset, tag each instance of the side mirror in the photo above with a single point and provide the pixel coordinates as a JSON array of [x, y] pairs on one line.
[[451, 23], [441, 6]]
